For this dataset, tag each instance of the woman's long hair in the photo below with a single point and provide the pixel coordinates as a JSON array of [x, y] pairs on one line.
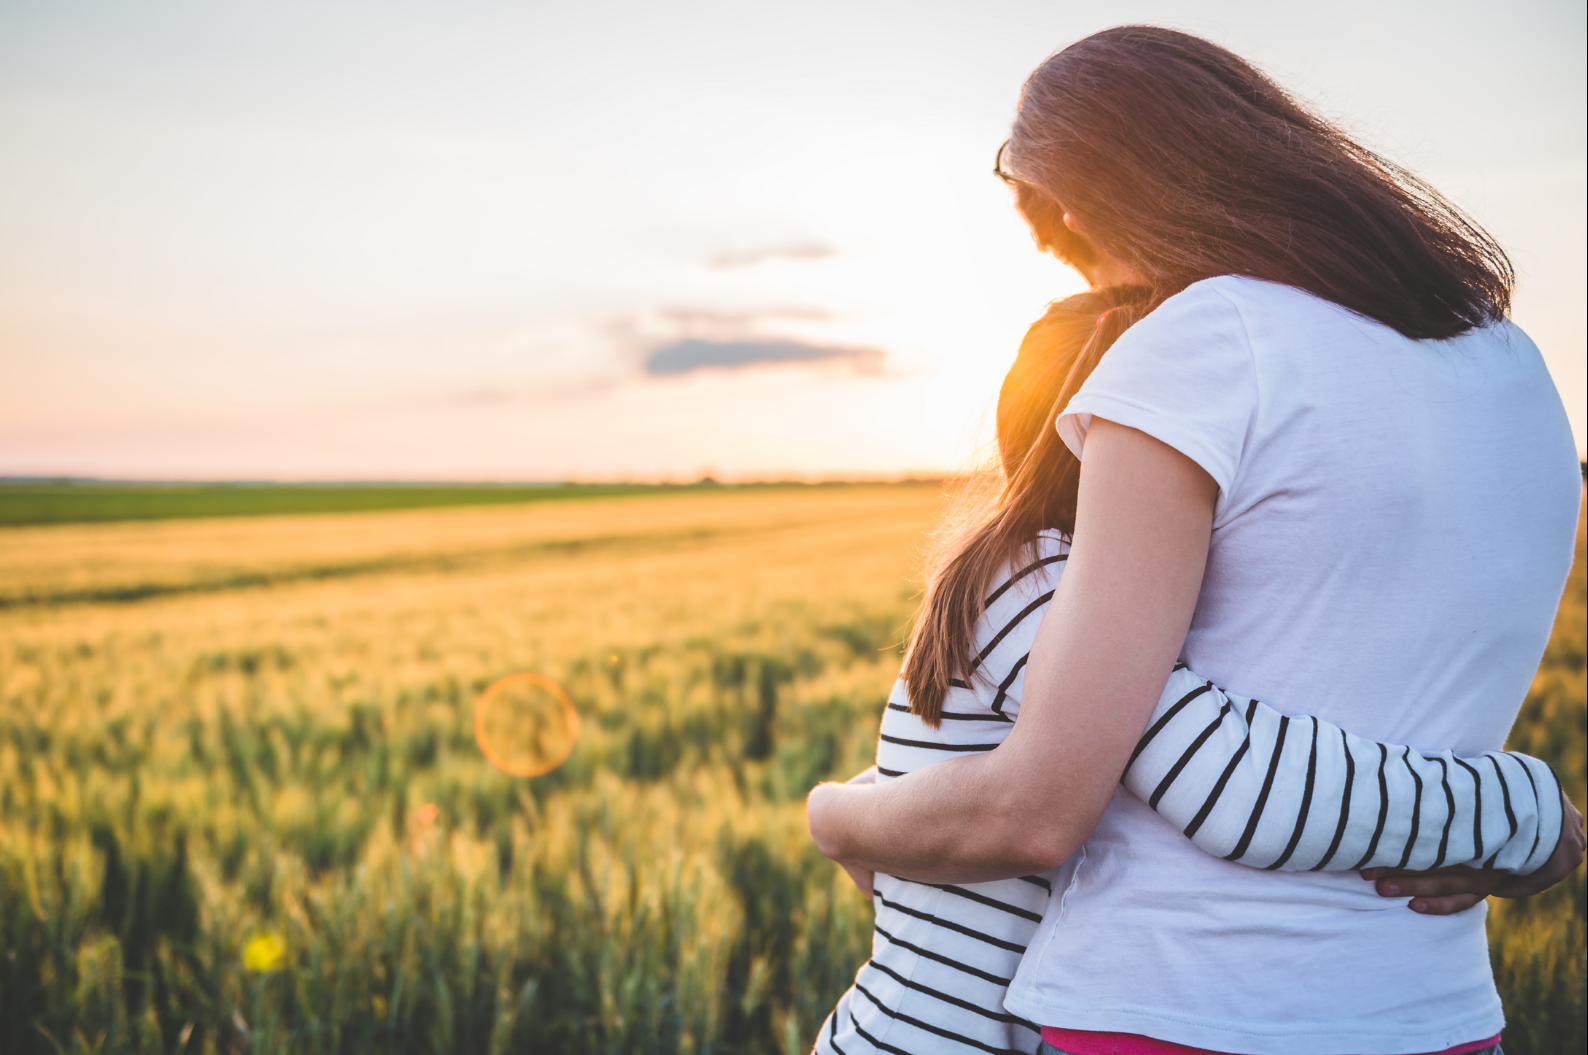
[[1185, 162], [1040, 480]]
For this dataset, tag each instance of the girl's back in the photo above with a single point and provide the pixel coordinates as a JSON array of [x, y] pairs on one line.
[[942, 956]]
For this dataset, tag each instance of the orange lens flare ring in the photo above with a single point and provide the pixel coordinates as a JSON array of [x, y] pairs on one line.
[[525, 724]]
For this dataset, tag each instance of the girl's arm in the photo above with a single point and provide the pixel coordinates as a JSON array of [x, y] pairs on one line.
[[1249, 784], [1100, 661]]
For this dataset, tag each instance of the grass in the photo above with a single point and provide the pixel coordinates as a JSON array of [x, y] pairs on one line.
[[219, 731], [1538, 944]]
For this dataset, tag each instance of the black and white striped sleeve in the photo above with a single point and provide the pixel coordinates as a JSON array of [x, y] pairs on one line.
[[1249, 784]]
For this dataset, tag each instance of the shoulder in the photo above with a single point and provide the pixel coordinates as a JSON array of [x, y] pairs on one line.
[[1236, 302], [1243, 292], [1506, 337], [1026, 583], [1265, 317], [1203, 318], [1185, 375], [1016, 602], [1213, 339]]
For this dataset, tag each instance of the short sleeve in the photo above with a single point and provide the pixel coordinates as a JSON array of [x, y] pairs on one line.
[[1183, 375]]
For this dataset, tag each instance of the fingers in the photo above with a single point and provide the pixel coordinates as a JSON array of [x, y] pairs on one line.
[[1440, 884], [1573, 831], [864, 878], [1522, 886], [1441, 893], [1447, 905]]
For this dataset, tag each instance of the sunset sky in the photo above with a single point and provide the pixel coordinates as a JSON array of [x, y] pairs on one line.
[[537, 241]]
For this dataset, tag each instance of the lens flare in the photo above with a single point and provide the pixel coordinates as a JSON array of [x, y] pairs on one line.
[[525, 724], [265, 954]]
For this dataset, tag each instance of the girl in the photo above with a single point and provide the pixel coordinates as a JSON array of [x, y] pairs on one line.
[[943, 954], [1324, 461]]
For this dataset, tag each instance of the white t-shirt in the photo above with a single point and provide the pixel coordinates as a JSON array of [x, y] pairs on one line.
[[1395, 520]]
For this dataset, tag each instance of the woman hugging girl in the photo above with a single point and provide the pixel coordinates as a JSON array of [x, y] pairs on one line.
[[1290, 447], [1243, 781]]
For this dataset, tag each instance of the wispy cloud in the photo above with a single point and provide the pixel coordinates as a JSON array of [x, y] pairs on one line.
[[691, 319], [737, 258], [578, 359], [692, 354]]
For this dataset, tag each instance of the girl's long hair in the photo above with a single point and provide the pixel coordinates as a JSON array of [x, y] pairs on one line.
[[1040, 479], [1185, 162]]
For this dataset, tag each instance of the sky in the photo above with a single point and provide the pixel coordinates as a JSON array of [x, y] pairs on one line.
[[611, 240]]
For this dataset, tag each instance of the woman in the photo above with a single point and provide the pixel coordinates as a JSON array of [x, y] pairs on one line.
[[1323, 462]]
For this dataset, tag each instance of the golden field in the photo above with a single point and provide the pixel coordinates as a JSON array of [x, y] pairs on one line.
[[217, 732]]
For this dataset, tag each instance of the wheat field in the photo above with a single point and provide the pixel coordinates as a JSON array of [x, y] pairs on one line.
[[222, 736]]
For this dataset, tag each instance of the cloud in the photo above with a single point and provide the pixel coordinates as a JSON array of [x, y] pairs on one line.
[[735, 258], [687, 356], [715, 320]]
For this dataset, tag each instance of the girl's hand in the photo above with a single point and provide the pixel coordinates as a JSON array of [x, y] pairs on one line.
[[1446, 891]]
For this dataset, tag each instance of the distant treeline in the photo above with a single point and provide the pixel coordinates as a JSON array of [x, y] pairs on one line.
[[24, 502]]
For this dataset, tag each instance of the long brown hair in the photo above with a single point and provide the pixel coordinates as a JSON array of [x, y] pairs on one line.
[[1040, 475], [1185, 162]]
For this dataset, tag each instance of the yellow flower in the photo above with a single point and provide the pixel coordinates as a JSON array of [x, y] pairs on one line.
[[265, 953]]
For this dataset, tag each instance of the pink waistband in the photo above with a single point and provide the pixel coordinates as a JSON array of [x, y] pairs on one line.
[[1086, 1042]]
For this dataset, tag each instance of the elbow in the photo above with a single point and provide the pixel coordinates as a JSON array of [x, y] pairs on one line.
[[825, 816], [1042, 852], [1033, 838]]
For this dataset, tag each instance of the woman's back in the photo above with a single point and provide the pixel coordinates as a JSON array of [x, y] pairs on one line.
[[1394, 516]]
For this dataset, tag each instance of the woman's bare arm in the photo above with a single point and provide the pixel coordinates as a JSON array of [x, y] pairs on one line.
[[1100, 662]]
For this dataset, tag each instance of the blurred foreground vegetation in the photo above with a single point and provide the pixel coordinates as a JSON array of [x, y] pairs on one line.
[[219, 736], [1538, 944], [266, 732]]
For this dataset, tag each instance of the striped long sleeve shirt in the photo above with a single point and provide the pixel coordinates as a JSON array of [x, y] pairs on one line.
[[1242, 780]]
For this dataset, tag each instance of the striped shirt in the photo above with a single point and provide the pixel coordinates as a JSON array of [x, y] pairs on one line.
[[1242, 780]]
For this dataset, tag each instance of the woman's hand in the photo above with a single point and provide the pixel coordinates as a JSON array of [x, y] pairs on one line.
[[1446, 891]]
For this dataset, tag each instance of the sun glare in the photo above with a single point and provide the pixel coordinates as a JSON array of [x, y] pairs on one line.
[[525, 724]]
